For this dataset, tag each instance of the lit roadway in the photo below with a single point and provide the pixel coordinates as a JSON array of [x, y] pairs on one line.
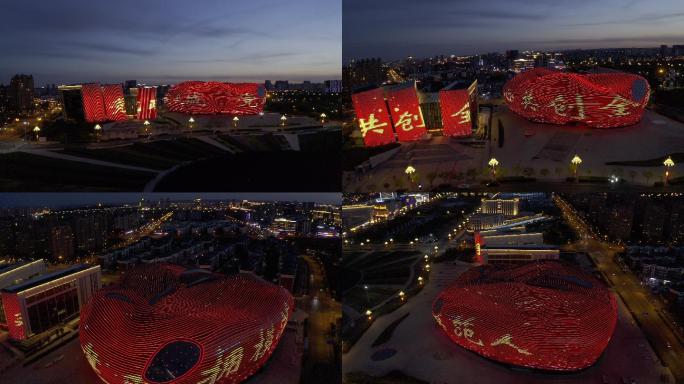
[[145, 230], [637, 298], [322, 364]]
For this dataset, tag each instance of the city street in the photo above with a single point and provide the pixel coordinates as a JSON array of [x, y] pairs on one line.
[[322, 364], [636, 297]]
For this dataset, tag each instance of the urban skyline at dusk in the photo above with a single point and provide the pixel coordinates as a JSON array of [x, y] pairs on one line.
[[397, 29], [168, 42], [8, 200]]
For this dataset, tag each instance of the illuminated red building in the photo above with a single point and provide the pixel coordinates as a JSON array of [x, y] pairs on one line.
[[398, 110], [165, 324], [538, 315], [599, 100], [213, 97], [93, 103], [102, 103], [113, 97], [374, 120], [405, 112], [147, 103], [456, 116]]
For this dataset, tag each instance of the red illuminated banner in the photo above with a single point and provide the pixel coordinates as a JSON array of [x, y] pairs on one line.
[[114, 102], [603, 100], [166, 324], [406, 114], [544, 316], [456, 112], [15, 320], [147, 103], [212, 97], [93, 103], [478, 246], [374, 120]]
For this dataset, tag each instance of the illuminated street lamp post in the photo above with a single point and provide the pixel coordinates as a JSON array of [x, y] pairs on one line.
[[323, 116], [191, 123], [576, 161], [98, 130], [668, 163], [283, 120], [236, 120], [420, 280], [402, 295], [493, 164], [410, 171], [369, 314], [36, 130]]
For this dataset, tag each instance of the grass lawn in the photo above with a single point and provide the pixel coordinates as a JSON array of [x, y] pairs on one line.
[[259, 171], [657, 162], [26, 173]]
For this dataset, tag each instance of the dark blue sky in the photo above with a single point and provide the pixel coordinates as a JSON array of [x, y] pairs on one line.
[[81, 199], [167, 41], [394, 29]]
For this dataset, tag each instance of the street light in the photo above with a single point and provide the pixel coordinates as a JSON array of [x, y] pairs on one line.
[[36, 130], [401, 295], [369, 314], [283, 120], [98, 130], [323, 116], [410, 171], [420, 280], [236, 120], [576, 161], [493, 163], [668, 163]]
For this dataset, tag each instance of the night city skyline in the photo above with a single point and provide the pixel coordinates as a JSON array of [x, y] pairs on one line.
[[168, 42], [9, 200], [397, 29]]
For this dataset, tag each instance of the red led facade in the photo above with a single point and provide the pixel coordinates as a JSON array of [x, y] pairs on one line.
[[113, 97], [456, 112], [163, 323], [602, 100], [406, 113], [374, 120], [147, 103], [213, 97], [541, 315], [15, 320], [93, 103]]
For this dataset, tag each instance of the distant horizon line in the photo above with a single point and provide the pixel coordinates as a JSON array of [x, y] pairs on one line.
[[347, 60], [293, 81]]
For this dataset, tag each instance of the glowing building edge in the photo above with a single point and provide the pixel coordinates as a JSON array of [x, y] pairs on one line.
[[165, 324]]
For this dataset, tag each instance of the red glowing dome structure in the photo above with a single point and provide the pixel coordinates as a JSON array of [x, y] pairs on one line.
[[600, 100], [165, 324], [544, 316], [213, 97]]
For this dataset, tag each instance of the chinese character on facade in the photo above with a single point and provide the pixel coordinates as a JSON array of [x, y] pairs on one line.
[[463, 328], [528, 101], [619, 106], [562, 108], [464, 114], [406, 120], [372, 124]]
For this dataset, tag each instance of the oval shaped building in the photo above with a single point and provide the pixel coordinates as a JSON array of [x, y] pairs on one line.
[[599, 100], [165, 324], [544, 316]]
